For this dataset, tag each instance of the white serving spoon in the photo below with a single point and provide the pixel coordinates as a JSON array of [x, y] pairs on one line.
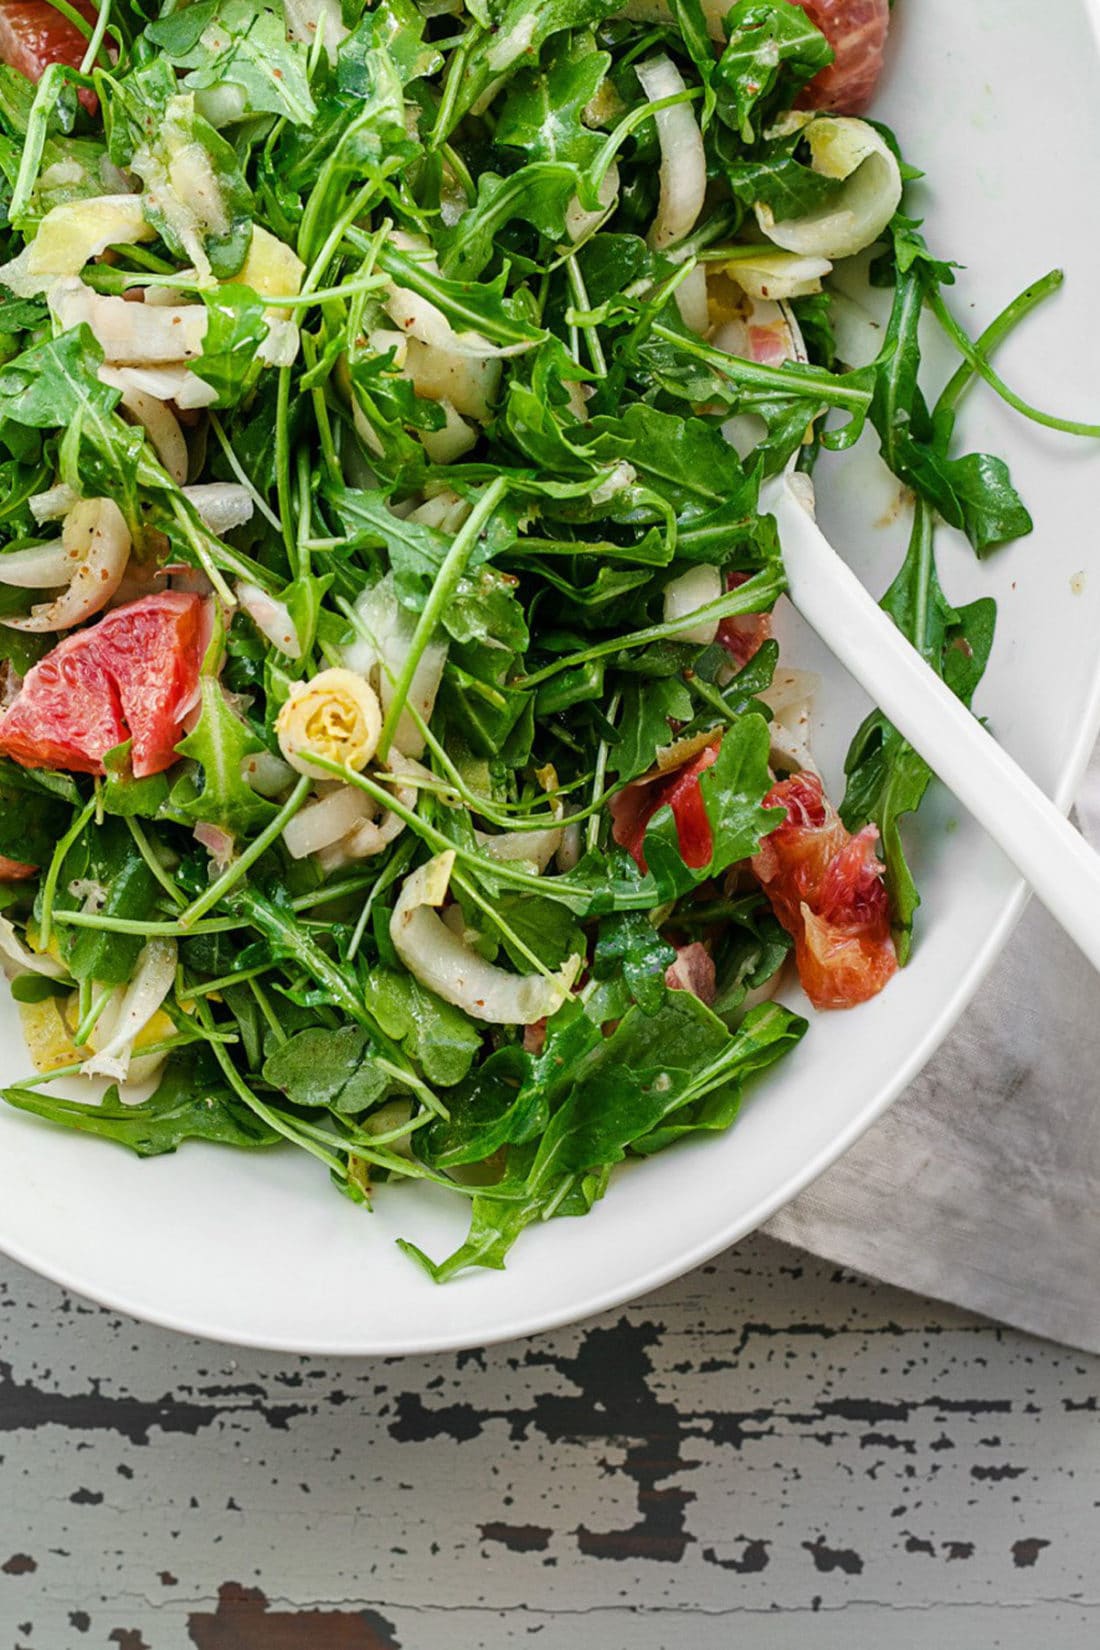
[[1056, 860]]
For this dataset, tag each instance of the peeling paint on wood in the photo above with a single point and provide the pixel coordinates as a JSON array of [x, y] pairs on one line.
[[767, 1440]]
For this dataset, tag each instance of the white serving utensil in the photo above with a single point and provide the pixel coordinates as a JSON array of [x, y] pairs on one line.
[[1056, 860]]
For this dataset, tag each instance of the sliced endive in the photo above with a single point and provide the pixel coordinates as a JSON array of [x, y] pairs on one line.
[[850, 152], [70, 236], [124, 1022], [439, 959]]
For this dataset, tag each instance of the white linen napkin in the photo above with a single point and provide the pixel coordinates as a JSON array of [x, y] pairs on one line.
[[981, 1185]]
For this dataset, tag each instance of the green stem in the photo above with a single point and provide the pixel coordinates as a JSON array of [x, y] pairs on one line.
[[202, 550], [281, 928], [147, 928], [574, 894], [282, 461], [329, 454], [630, 123], [48, 91], [148, 854], [266, 1113], [49, 885], [258, 846], [456, 73], [506, 933], [206, 988], [90, 1018], [241, 473], [96, 39], [446, 583], [976, 353], [593, 833], [579, 293], [754, 596], [790, 379]]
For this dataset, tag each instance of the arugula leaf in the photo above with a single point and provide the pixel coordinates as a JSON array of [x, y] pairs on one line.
[[973, 493], [125, 796], [543, 111], [220, 742], [106, 858], [435, 1035], [398, 28], [519, 32], [235, 327], [886, 777], [650, 707], [539, 194], [773, 49], [546, 928], [190, 1103], [239, 43], [490, 1109], [774, 175], [686, 459], [629, 944], [765, 1035], [31, 820], [655, 1070], [332, 1068], [56, 382]]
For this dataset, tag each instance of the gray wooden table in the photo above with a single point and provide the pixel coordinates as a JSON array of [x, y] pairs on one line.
[[769, 1453]]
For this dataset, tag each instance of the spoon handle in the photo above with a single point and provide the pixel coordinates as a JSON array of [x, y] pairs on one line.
[[1056, 860]]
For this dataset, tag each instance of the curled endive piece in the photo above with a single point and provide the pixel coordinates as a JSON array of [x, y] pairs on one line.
[[380, 651], [850, 152], [123, 1023], [683, 162], [528, 847], [439, 959], [17, 958], [683, 596], [336, 715], [131, 334], [161, 426], [95, 543]]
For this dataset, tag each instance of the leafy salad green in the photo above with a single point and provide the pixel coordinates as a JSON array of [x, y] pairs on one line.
[[385, 397]]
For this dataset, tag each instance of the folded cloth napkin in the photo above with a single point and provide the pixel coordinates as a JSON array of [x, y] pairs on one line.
[[981, 1185]]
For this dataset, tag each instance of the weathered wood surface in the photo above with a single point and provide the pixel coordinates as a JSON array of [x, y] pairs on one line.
[[768, 1453]]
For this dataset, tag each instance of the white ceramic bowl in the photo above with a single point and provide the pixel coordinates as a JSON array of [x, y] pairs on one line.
[[1000, 101]]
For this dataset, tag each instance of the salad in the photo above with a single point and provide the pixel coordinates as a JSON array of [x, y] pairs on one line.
[[396, 760]]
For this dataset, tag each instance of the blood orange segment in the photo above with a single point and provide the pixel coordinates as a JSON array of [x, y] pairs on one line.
[[856, 30], [633, 808], [15, 870], [745, 634], [827, 889], [130, 676], [34, 34]]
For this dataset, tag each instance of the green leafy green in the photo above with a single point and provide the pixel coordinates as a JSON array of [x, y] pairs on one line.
[[886, 777], [242, 44], [189, 1103], [771, 46], [328, 1067]]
